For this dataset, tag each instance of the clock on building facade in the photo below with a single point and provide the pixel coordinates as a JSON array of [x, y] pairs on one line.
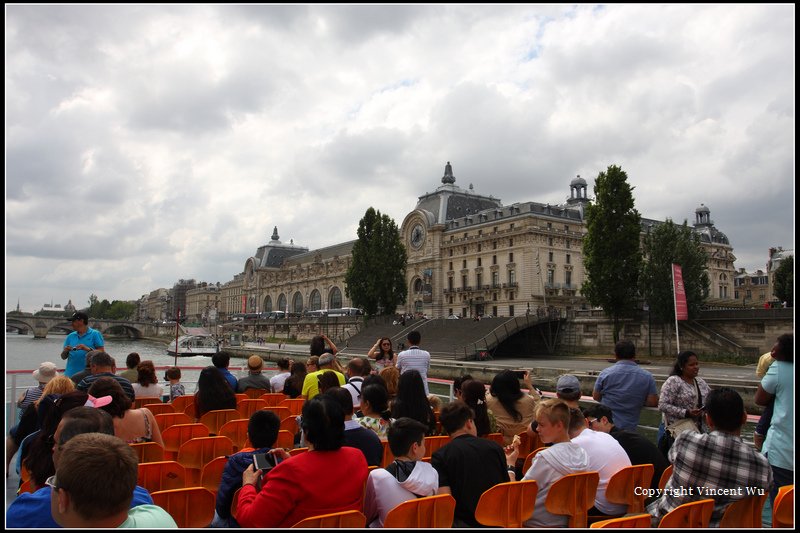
[[417, 237]]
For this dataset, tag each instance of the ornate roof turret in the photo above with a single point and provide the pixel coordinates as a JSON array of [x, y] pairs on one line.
[[448, 174], [275, 237]]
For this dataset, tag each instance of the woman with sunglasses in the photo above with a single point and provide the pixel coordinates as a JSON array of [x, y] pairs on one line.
[[383, 354]]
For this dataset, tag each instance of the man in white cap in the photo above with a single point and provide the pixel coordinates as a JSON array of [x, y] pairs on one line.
[[254, 379]]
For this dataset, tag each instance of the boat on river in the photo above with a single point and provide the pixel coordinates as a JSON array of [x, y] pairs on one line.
[[194, 345]]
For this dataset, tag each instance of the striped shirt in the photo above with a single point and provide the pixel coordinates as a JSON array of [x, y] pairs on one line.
[[415, 359], [88, 380]]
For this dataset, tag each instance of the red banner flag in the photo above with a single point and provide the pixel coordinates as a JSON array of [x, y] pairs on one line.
[[244, 303], [681, 310]]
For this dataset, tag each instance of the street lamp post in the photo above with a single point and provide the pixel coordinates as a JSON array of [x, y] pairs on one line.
[[646, 307]]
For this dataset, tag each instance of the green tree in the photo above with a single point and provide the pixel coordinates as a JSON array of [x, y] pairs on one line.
[[376, 278], [611, 254], [784, 281], [664, 245], [120, 310]]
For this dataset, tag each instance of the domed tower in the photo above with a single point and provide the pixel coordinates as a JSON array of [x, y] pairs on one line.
[[721, 272], [577, 191]]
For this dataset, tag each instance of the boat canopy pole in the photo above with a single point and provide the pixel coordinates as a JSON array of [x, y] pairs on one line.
[[177, 329]]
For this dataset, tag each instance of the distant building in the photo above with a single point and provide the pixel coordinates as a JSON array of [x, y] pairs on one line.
[[468, 254], [752, 289], [776, 255]]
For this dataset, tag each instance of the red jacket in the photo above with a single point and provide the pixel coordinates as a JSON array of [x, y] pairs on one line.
[[309, 484]]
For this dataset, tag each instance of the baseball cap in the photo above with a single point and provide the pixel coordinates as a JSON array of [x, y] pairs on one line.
[[80, 316], [568, 384], [254, 362], [45, 372]]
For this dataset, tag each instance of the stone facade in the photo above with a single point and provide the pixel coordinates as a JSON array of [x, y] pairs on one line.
[[202, 303], [752, 289], [468, 254]]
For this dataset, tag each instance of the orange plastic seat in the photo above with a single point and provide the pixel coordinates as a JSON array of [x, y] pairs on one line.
[[195, 453], [240, 396], [247, 406], [141, 401], [191, 410], [24, 473], [641, 521], [692, 514], [295, 405], [148, 452], [297, 451], [159, 408], [254, 394], [344, 519], [744, 513], [161, 475], [214, 420], [166, 420], [783, 508], [290, 424], [27, 486], [388, 456], [529, 459], [507, 504], [280, 412], [428, 512], [176, 435], [434, 443], [665, 477], [189, 507], [236, 430], [273, 398], [573, 495], [622, 486], [181, 402], [285, 440], [527, 444], [497, 437], [211, 474]]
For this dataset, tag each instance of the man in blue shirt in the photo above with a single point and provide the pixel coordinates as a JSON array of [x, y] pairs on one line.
[[221, 360], [625, 388], [78, 343], [778, 384], [33, 509]]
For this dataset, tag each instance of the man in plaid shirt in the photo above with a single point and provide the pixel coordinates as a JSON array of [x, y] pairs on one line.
[[716, 465]]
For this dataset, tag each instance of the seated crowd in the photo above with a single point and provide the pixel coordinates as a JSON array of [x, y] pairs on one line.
[[86, 472]]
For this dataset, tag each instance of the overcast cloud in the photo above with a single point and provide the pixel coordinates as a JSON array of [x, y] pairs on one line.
[[150, 143]]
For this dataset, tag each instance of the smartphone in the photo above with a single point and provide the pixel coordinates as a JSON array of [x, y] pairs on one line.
[[264, 461], [519, 373]]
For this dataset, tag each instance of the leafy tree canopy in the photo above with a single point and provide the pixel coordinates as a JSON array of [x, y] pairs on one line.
[[376, 278], [664, 245], [784, 281], [611, 252]]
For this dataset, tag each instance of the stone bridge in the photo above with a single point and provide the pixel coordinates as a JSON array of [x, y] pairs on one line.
[[41, 325]]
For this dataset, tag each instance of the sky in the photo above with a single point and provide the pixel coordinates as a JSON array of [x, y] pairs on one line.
[[149, 143]]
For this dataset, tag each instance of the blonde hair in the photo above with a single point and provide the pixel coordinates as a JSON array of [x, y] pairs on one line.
[[555, 411], [391, 376], [60, 384]]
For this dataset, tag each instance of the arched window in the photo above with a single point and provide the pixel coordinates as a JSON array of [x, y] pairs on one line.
[[315, 301], [297, 303], [268, 304], [281, 302], [335, 299], [418, 285]]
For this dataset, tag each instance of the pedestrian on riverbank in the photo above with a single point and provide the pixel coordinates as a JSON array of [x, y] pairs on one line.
[[80, 342]]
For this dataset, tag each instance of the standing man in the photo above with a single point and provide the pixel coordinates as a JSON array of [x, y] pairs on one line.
[[78, 343], [778, 386], [625, 388], [415, 359]]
